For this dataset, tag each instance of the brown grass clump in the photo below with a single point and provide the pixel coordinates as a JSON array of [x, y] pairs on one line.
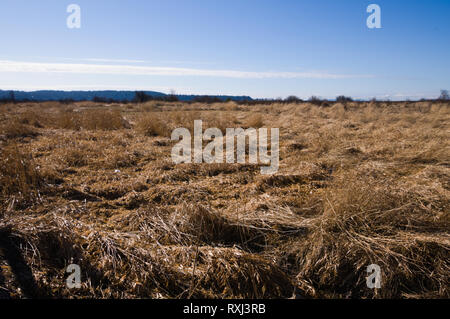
[[75, 157], [17, 129], [102, 120], [230, 272], [31, 117], [221, 120], [152, 124], [19, 176], [66, 119], [193, 225], [88, 119], [209, 227], [374, 223], [255, 121]]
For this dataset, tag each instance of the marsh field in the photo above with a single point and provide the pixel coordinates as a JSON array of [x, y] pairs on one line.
[[94, 184]]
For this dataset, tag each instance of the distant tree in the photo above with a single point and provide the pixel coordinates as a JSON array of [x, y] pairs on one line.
[[206, 99], [344, 99], [444, 95], [315, 100], [12, 97], [141, 97], [293, 99], [171, 98]]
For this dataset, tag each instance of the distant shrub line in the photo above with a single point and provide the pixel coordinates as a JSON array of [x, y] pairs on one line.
[[142, 97]]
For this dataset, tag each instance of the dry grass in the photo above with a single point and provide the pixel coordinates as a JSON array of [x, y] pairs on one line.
[[152, 124], [86, 119], [15, 128], [20, 179], [255, 121], [359, 184], [392, 228]]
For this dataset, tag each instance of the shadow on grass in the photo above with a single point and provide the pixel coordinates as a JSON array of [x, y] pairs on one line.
[[22, 272]]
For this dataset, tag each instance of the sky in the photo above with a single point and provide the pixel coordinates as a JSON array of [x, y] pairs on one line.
[[261, 48]]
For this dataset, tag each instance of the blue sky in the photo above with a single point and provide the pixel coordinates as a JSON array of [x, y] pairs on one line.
[[261, 48]]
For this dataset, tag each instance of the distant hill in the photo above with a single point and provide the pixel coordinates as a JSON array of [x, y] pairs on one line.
[[48, 95]]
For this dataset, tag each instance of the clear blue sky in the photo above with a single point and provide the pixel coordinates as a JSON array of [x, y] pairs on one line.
[[262, 48]]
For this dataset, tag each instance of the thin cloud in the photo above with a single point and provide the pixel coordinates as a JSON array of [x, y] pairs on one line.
[[77, 87], [39, 67], [110, 60]]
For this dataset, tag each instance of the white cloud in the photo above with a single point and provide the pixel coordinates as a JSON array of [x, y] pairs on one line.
[[110, 60], [126, 61], [77, 87], [39, 67]]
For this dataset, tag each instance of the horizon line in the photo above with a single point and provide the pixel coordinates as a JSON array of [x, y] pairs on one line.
[[383, 97]]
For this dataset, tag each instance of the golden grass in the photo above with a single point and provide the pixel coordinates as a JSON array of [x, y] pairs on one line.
[[255, 121], [20, 179], [17, 129], [152, 124], [359, 184]]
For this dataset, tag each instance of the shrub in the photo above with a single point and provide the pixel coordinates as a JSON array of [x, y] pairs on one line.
[[315, 100], [444, 95], [206, 99], [171, 98], [343, 99], [142, 97], [293, 99], [255, 121]]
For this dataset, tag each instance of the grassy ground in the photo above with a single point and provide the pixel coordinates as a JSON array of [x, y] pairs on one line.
[[94, 184]]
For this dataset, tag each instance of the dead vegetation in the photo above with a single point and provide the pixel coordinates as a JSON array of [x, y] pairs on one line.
[[152, 124], [19, 175], [358, 184]]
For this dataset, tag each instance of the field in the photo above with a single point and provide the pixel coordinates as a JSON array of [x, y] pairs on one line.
[[93, 184]]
